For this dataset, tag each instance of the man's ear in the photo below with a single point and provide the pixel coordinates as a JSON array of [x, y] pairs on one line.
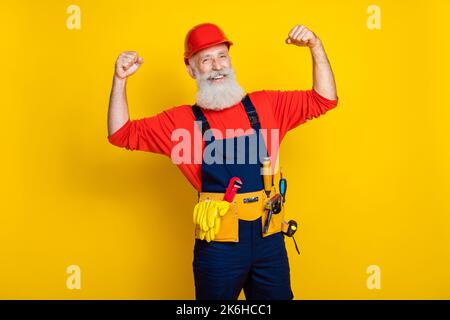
[[190, 71]]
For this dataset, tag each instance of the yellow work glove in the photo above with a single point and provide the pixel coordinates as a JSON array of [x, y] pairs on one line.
[[207, 215]]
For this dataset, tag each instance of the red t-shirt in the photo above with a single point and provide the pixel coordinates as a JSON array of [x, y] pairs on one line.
[[283, 110]]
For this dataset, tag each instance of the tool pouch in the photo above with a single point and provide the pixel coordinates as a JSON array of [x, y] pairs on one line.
[[229, 223], [245, 206]]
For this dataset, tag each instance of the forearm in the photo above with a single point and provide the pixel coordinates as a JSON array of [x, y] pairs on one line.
[[323, 78], [118, 107]]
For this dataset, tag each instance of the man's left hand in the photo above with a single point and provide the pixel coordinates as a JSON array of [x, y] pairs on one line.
[[303, 37]]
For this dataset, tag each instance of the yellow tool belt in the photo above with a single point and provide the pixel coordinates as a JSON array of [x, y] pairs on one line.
[[245, 206]]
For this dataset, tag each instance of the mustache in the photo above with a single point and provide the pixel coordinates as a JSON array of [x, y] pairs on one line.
[[213, 74]]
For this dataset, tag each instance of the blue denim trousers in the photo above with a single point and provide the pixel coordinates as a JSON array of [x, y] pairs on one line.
[[258, 265]]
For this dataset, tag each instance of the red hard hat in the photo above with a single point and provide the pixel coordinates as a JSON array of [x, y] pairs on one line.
[[202, 36]]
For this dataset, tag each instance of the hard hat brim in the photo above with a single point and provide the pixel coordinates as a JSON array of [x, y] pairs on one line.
[[206, 45]]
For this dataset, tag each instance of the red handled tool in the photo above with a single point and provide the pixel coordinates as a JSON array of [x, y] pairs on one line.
[[233, 186]]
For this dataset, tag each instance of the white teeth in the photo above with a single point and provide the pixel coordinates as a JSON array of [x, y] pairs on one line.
[[218, 77]]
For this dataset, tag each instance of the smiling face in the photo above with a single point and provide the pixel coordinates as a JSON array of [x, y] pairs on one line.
[[211, 60], [215, 77]]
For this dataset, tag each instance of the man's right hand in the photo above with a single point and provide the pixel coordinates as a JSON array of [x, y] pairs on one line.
[[127, 63]]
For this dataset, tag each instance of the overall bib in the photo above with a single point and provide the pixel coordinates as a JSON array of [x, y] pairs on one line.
[[242, 258]]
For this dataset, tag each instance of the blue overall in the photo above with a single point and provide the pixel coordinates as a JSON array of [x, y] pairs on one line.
[[258, 265]]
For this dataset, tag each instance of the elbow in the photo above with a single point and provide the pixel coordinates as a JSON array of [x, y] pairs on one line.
[[324, 102], [116, 142], [120, 137], [331, 95], [325, 96]]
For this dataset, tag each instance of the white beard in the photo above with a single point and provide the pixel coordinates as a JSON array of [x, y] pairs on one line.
[[220, 95]]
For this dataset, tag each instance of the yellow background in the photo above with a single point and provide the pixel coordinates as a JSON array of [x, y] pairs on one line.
[[368, 182]]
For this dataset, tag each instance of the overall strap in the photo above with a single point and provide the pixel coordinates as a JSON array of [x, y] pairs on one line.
[[199, 116], [251, 113], [253, 117]]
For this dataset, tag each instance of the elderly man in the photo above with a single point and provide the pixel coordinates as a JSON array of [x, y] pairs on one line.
[[238, 244]]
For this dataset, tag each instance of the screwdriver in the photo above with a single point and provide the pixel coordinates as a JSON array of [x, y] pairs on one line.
[[282, 186]]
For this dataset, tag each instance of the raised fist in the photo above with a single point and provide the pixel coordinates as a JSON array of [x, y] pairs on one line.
[[127, 63], [303, 37]]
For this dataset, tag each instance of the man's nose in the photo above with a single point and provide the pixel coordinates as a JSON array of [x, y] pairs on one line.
[[216, 65]]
